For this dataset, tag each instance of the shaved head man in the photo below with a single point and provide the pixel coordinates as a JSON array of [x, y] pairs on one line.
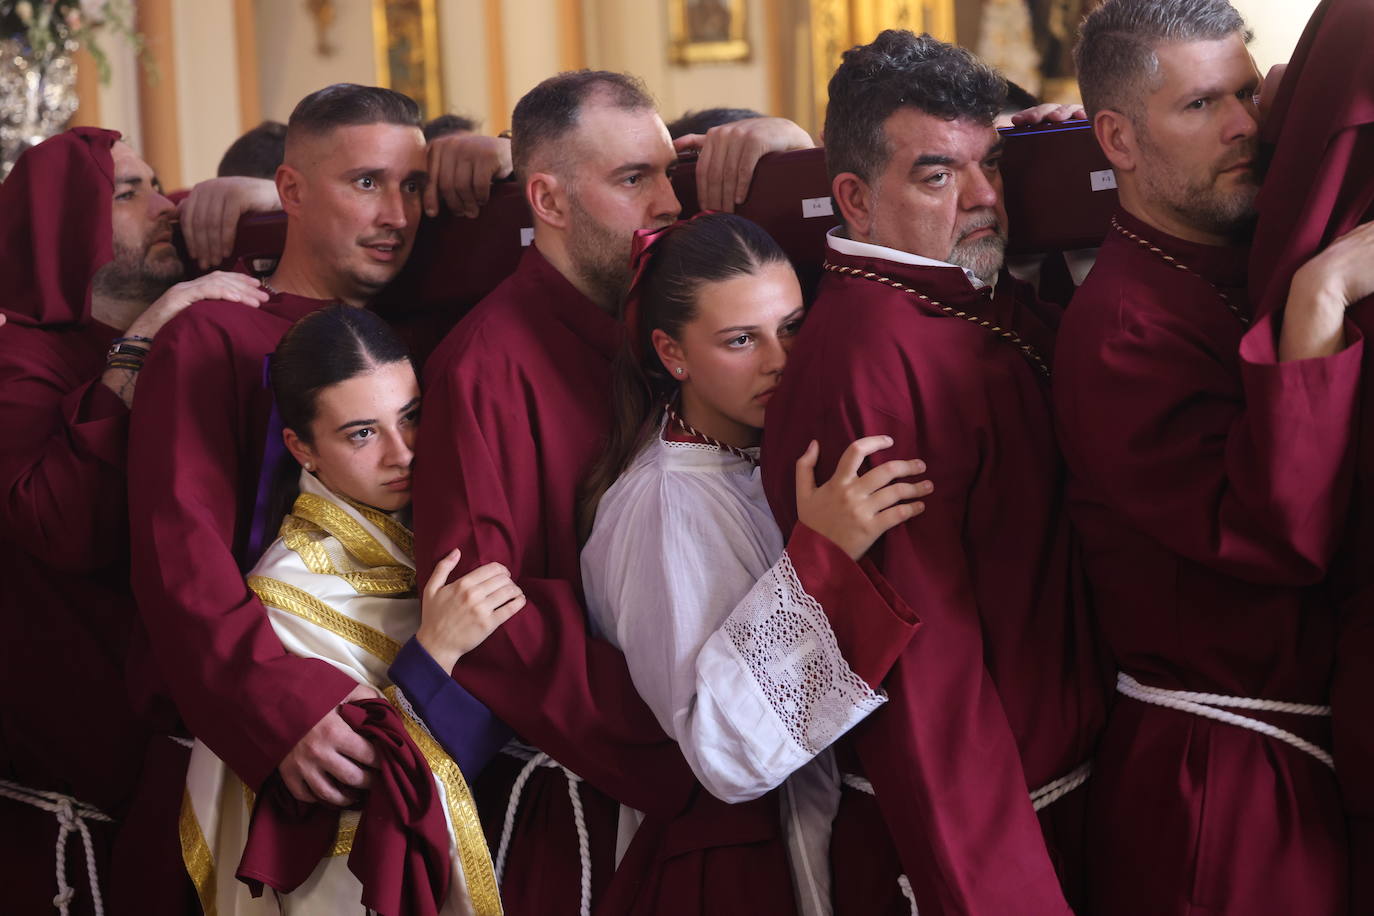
[[351, 186]]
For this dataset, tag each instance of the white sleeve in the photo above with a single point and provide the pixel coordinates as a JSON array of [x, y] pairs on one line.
[[736, 660]]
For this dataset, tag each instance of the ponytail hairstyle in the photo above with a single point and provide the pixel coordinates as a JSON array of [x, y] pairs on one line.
[[671, 266], [324, 348]]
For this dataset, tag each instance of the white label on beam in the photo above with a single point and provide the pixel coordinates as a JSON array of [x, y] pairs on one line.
[[526, 237], [1104, 180], [817, 206]]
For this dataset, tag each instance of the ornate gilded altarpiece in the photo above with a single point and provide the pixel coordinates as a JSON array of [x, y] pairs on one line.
[[708, 31], [838, 25], [406, 41]]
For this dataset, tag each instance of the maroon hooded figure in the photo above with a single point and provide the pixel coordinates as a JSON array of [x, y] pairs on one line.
[[67, 723], [1319, 186]]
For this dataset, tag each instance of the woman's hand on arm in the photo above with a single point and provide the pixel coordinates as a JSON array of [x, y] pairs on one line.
[[851, 509], [456, 617]]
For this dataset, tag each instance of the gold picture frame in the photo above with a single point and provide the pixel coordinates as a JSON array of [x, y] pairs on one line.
[[405, 37], [708, 31]]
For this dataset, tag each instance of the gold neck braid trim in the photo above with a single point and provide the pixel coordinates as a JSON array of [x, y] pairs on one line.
[[1176, 263], [1032, 356], [341, 525]]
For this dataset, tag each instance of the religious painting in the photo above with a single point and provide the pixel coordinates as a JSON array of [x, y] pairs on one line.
[[704, 31], [405, 36]]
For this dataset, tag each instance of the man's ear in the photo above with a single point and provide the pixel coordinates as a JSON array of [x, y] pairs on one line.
[[855, 200], [303, 453], [290, 189], [548, 199], [1116, 135]]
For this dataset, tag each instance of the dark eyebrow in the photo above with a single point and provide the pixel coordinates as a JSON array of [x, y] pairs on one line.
[[996, 148], [738, 329], [352, 423], [129, 179], [633, 167], [410, 405], [931, 159]]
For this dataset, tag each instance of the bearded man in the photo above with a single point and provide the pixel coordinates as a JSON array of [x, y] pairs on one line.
[[1209, 459], [91, 277]]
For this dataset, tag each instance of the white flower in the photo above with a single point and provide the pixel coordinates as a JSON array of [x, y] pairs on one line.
[[24, 9], [93, 11]]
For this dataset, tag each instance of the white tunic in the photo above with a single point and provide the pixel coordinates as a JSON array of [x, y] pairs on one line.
[[337, 587], [685, 571]]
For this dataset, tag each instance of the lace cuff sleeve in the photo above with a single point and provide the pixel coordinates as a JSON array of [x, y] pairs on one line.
[[785, 640]]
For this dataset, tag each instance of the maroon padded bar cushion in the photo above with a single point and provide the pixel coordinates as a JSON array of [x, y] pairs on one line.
[[1060, 188]]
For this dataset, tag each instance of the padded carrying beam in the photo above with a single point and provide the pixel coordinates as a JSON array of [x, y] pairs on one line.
[[1060, 194]]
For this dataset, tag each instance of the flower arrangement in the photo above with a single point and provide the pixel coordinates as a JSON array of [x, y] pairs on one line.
[[51, 26]]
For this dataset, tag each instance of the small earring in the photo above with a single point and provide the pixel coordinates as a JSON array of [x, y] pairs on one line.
[[309, 467], [679, 370]]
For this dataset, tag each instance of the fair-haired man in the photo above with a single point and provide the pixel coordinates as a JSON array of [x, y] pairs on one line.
[[918, 332], [351, 186], [1208, 451], [516, 414]]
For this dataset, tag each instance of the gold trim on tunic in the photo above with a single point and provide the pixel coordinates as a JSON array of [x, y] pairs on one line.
[[285, 597], [195, 854], [343, 526], [301, 537], [473, 853]]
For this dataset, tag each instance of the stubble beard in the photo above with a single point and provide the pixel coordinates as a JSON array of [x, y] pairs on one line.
[[135, 274], [1200, 202], [600, 256]]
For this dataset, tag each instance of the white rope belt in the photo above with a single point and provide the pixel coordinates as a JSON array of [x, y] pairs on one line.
[[1041, 798], [1205, 705], [71, 817], [584, 847]]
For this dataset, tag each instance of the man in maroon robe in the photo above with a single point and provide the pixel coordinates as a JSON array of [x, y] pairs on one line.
[[918, 332], [84, 248], [1209, 475], [1320, 186], [351, 186], [516, 414]]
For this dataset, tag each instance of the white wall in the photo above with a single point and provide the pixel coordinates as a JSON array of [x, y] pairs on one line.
[[289, 68], [1278, 25], [206, 56]]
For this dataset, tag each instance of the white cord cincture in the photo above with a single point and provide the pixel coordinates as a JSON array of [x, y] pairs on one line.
[[71, 817], [534, 760], [1205, 705]]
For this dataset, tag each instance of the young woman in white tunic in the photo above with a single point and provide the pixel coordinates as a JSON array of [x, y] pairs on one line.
[[339, 585], [685, 569]]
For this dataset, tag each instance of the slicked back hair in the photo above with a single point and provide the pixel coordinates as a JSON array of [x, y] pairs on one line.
[[1115, 55], [899, 69], [349, 105], [550, 111]]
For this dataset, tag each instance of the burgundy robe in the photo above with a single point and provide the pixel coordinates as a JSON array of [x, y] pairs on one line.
[[998, 692], [516, 412], [195, 449], [67, 723], [1208, 481], [1319, 186]]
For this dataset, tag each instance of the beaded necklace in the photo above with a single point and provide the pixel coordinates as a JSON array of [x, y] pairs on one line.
[[1006, 334], [1175, 262]]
